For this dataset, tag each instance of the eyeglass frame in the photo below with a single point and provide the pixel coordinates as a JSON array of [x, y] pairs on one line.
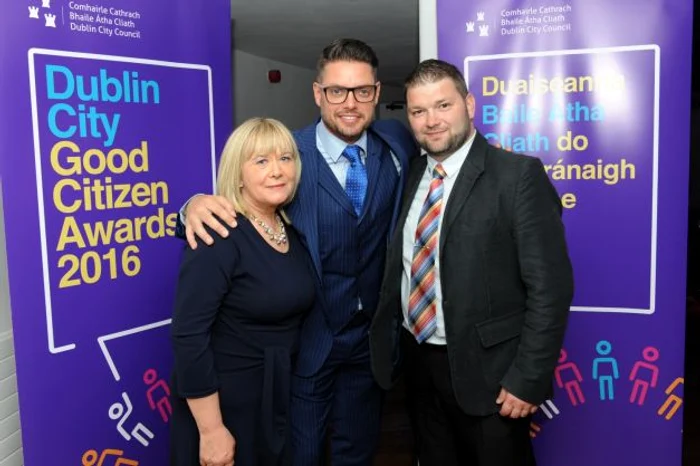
[[348, 90]]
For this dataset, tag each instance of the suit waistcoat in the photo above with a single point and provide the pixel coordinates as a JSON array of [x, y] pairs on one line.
[[352, 250]]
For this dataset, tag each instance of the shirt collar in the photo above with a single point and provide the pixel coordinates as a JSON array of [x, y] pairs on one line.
[[333, 146], [453, 164]]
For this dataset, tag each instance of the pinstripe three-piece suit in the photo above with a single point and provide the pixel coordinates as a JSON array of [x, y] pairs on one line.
[[332, 384]]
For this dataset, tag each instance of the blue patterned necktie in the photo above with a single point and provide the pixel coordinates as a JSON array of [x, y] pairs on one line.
[[356, 179]]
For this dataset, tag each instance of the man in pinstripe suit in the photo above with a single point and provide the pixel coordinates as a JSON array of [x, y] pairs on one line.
[[345, 211]]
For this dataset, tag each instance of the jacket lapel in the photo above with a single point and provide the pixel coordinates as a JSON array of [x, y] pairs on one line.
[[471, 171], [373, 162], [330, 184], [415, 173], [395, 252], [400, 153], [303, 211]]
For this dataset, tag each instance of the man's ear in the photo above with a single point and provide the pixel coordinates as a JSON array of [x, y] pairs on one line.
[[318, 93], [471, 105]]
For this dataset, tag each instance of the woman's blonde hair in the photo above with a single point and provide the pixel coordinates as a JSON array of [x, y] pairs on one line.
[[256, 136]]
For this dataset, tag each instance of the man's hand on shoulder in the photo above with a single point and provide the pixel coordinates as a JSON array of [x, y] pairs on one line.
[[497, 145], [203, 210]]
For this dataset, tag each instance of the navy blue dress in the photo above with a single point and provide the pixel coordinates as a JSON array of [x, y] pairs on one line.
[[235, 330]]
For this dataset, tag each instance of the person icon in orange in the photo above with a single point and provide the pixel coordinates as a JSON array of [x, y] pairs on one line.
[[92, 458], [673, 402]]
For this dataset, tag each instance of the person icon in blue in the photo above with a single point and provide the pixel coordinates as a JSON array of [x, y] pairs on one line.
[[605, 370]]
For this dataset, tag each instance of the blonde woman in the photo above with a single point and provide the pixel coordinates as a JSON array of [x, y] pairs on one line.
[[238, 312]]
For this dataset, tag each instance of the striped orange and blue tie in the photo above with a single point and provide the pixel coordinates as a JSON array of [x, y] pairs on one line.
[[422, 300]]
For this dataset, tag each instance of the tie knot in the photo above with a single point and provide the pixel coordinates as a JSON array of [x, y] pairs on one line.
[[439, 172], [352, 153]]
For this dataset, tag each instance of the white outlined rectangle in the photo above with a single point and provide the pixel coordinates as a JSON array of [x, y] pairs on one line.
[[657, 75], [37, 156]]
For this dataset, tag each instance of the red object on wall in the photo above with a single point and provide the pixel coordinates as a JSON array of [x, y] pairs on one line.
[[274, 76]]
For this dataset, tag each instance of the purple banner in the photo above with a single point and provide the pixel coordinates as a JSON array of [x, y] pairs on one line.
[[600, 93], [112, 116]]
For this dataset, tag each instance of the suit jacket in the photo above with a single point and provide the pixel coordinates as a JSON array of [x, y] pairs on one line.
[[317, 336], [506, 278]]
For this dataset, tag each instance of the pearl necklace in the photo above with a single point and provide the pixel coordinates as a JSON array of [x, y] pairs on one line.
[[278, 238]]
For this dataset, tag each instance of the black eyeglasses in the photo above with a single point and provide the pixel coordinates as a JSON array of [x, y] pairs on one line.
[[338, 94]]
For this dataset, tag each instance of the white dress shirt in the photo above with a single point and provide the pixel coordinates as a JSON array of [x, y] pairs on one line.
[[452, 165]]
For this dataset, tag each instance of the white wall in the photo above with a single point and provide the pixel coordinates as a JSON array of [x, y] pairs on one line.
[[290, 101], [427, 29], [10, 440]]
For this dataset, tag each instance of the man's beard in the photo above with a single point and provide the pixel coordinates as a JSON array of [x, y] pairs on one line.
[[346, 134], [450, 147]]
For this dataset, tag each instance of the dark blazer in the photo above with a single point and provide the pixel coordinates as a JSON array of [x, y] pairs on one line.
[[317, 334], [506, 278]]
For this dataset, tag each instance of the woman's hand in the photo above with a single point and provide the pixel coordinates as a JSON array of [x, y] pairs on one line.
[[216, 447]]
